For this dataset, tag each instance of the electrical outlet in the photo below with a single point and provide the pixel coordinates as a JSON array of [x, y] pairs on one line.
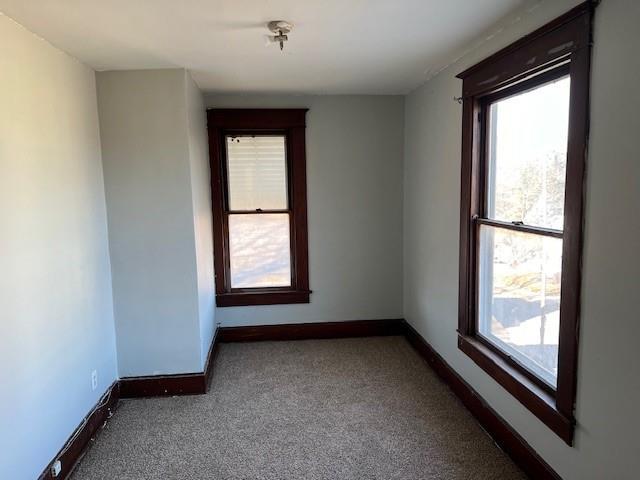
[[94, 380], [56, 468]]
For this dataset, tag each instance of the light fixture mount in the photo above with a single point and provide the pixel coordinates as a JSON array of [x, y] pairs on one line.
[[280, 29]]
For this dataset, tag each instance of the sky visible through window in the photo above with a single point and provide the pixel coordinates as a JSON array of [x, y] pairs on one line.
[[529, 156]]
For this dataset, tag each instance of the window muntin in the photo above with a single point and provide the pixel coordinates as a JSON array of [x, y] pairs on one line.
[[256, 172], [527, 153]]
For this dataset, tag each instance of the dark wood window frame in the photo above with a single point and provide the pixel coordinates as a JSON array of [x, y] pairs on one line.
[[291, 124], [561, 47]]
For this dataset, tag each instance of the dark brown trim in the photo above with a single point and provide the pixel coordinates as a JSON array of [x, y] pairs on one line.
[[305, 331], [288, 122], [214, 350], [169, 385], [163, 385], [556, 40], [485, 343], [549, 74], [502, 433], [528, 392], [80, 440], [276, 297], [573, 230], [559, 48], [256, 118]]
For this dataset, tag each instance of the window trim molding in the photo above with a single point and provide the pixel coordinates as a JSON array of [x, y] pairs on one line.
[[564, 43], [292, 124]]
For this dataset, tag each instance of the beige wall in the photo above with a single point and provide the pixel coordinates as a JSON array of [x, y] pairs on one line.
[[354, 178], [606, 444], [56, 316]]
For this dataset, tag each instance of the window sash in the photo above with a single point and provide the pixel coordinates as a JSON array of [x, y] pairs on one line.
[[227, 212], [279, 288], [481, 218], [511, 355], [226, 166], [485, 102], [551, 74]]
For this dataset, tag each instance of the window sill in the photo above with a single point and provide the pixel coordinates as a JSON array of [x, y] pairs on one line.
[[535, 399], [262, 297]]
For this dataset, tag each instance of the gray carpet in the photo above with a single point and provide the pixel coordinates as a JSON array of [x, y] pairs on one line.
[[366, 408]]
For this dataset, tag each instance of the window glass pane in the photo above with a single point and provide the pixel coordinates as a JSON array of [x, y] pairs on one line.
[[527, 137], [260, 254], [257, 172], [519, 297]]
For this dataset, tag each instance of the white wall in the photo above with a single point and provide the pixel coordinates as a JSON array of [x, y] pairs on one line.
[[148, 183], [55, 282], [606, 443], [354, 186], [202, 219]]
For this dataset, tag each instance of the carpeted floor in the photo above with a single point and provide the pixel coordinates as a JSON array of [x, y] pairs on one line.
[[366, 408]]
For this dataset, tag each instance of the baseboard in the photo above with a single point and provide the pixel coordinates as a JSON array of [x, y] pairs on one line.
[[307, 331], [506, 437], [198, 383], [214, 349], [79, 441], [170, 385], [163, 385]]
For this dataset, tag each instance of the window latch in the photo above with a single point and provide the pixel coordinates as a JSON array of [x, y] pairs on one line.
[[517, 222]]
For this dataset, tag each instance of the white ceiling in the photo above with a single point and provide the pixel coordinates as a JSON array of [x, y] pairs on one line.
[[336, 46]]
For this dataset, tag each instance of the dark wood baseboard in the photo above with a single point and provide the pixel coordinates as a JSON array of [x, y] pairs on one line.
[[80, 439], [501, 432], [307, 331], [214, 349], [163, 385], [198, 383], [170, 385]]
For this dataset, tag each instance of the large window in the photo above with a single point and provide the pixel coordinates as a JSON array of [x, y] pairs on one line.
[[259, 203], [521, 221], [525, 120]]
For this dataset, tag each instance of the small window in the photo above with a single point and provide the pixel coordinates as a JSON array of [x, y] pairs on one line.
[[525, 124], [259, 200]]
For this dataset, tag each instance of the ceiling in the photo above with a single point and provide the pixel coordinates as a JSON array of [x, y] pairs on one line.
[[336, 46]]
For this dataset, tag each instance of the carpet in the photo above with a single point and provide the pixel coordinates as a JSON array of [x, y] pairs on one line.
[[363, 408]]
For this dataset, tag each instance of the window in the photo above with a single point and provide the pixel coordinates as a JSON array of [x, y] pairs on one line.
[[259, 201], [525, 124], [520, 267]]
